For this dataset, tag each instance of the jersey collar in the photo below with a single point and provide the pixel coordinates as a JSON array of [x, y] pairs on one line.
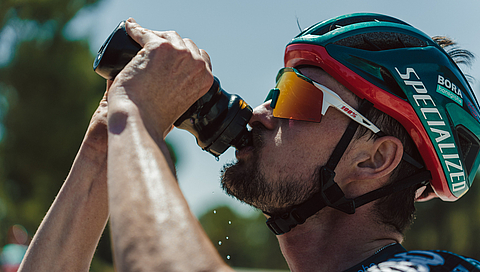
[[379, 256]]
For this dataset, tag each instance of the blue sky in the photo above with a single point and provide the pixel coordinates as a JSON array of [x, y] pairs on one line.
[[246, 40]]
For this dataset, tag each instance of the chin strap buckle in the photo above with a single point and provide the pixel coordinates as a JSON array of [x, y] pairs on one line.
[[280, 224]]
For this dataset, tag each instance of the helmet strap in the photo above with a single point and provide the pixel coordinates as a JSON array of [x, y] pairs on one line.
[[331, 194]]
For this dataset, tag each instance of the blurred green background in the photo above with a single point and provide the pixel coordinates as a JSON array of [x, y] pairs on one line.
[[48, 92]]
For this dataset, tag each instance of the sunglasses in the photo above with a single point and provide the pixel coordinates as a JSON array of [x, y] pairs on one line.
[[298, 97]]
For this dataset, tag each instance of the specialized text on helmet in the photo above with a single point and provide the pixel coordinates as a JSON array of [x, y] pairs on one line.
[[436, 123]]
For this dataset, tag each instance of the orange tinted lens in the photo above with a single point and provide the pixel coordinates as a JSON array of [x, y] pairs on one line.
[[298, 99]]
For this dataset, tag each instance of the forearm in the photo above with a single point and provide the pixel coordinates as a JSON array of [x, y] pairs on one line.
[[152, 226], [69, 233]]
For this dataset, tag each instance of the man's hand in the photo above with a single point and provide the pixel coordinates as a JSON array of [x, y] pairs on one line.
[[167, 76]]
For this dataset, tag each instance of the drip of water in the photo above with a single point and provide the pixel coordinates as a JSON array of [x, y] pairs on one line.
[[229, 222], [219, 243], [228, 257], [214, 211], [226, 237]]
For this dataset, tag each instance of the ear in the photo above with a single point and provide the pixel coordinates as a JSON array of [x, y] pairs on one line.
[[378, 158]]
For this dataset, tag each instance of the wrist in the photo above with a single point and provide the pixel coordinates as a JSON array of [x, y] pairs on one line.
[[125, 109], [95, 141], [124, 114], [96, 137], [94, 147]]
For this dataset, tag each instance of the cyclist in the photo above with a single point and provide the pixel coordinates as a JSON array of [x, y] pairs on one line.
[[413, 134], [368, 116]]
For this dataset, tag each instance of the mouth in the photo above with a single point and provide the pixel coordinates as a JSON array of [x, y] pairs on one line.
[[244, 153], [254, 143]]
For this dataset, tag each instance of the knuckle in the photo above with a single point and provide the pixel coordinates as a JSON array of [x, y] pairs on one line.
[[172, 32], [188, 40], [142, 31], [160, 47], [169, 34], [165, 46]]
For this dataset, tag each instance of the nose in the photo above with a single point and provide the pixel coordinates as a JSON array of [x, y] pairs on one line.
[[263, 114]]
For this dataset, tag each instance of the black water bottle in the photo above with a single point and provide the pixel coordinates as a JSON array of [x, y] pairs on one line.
[[218, 119]]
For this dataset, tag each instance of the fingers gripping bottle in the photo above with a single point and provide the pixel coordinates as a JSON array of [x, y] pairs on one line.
[[218, 119]]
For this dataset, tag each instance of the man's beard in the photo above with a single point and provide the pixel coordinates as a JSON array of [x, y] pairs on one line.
[[246, 182]]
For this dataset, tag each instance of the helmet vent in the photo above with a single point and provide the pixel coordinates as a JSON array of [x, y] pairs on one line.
[[378, 41], [469, 147], [392, 84], [355, 20]]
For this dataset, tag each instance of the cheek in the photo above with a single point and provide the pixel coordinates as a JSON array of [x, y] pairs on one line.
[[296, 148], [290, 152]]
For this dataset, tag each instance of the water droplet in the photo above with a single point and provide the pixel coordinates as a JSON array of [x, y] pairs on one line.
[[226, 237], [217, 158], [214, 211], [219, 243], [229, 222], [228, 257]]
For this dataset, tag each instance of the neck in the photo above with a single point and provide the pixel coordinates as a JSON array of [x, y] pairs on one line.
[[335, 241]]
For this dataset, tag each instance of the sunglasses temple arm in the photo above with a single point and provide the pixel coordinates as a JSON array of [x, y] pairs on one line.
[[332, 99], [325, 105]]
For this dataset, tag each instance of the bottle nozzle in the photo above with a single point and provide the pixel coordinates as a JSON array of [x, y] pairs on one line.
[[243, 140]]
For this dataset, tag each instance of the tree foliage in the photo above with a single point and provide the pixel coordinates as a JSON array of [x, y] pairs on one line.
[[48, 91], [60, 11]]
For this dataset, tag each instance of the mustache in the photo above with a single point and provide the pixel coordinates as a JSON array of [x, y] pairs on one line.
[[258, 132]]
